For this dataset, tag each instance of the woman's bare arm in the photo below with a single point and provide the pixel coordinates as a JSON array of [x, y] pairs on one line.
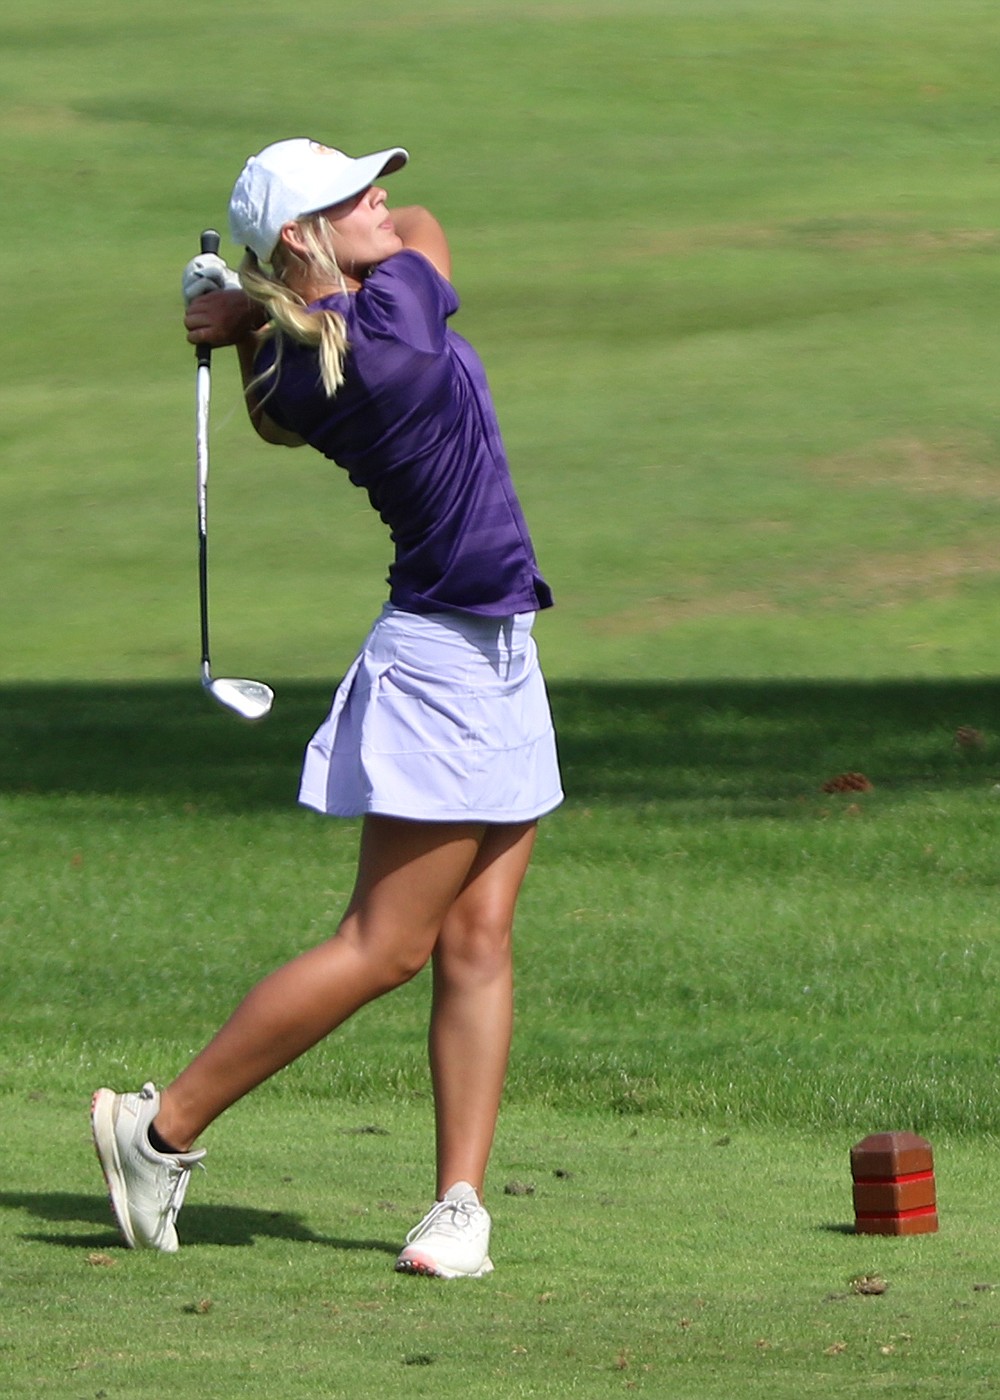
[[419, 230], [232, 318]]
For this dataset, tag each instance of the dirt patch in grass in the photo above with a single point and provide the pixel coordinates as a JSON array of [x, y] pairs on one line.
[[44, 119], [965, 466], [829, 235], [658, 614], [877, 580], [889, 578]]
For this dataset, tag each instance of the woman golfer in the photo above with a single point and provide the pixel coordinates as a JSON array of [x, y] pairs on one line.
[[440, 735]]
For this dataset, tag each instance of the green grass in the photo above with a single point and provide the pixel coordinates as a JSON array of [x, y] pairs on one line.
[[707, 935], [731, 266], [726, 977], [638, 1257]]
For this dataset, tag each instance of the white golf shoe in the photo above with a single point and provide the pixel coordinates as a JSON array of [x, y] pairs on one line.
[[146, 1187], [452, 1240]]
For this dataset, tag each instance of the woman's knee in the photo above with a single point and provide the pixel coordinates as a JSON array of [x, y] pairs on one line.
[[475, 949], [389, 959]]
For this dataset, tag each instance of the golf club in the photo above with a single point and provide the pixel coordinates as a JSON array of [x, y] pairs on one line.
[[249, 699]]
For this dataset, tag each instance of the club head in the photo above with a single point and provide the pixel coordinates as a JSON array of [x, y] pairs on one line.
[[248, 699]]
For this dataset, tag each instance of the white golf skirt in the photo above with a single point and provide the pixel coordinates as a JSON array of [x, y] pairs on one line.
[[441, 717]]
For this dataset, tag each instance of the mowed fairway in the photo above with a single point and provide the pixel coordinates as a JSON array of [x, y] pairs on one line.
[[731, 267]]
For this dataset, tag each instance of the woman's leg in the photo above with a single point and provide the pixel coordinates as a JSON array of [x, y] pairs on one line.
[[472, 1010], [410, 874]]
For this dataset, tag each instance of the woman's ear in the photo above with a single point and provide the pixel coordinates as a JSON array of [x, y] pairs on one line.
[[291, 238]]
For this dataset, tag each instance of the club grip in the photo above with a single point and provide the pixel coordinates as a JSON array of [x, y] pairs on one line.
[[209, 244]]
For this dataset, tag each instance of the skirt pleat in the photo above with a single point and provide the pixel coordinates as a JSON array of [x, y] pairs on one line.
[[441, 717]]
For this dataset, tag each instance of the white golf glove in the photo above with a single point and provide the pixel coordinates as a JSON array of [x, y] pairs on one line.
[[207, 273]]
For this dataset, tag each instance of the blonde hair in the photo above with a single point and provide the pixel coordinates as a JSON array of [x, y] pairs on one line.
[[325, 331]]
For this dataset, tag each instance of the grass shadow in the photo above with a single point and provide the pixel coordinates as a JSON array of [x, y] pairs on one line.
[[758, 743], [203, 1224]]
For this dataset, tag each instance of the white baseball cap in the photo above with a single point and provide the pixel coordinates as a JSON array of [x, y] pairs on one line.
[[293, 178]]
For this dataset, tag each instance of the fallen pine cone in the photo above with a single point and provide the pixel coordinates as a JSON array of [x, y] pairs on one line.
[[848, 782]]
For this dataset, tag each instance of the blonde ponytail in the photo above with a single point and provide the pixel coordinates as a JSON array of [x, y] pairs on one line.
[[325, 331]]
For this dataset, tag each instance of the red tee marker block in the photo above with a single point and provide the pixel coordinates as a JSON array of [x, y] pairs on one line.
[[894, 1191]]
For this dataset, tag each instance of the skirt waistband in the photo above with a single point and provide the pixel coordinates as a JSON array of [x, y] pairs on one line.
[[499, 641]]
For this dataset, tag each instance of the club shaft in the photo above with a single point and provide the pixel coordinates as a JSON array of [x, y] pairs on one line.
[[206, 664], [250, 699], [203, 388]]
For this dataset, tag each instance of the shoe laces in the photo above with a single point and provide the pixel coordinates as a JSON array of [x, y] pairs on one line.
[[179, 1176], [447, 1217]]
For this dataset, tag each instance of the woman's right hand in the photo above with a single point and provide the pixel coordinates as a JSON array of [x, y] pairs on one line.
[[221, 318]]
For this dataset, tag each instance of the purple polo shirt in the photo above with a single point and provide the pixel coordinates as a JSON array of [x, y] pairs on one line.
[[414, 425]]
